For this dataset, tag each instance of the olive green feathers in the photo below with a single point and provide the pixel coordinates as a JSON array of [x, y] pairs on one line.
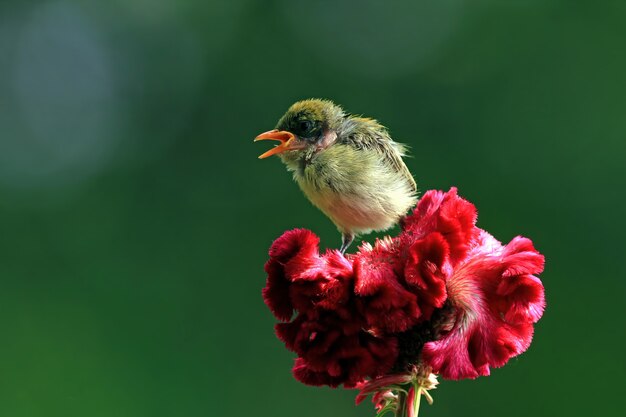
[[348, 166]]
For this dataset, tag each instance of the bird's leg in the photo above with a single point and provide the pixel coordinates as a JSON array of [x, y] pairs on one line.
[[346, 240]]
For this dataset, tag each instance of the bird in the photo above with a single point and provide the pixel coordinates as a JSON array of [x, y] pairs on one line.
[[347, 165]]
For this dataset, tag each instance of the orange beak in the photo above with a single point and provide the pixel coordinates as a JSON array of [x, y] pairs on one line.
[[285, 138]]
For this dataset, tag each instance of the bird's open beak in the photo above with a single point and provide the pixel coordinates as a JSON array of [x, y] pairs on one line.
[[286, 139]]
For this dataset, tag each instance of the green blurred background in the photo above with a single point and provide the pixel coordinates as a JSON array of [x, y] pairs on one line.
[[135, 217]]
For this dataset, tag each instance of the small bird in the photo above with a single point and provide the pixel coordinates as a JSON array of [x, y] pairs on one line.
[[348, 166]]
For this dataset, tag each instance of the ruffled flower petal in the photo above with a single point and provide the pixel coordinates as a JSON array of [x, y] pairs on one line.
[[294, 242], [276, 291], [446, 213], [386, 304], [496, 300], [331, 354], [426, 271], [299, 243], [300, 279]]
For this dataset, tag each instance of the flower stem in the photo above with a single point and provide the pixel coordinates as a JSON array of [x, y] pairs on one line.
[[416, 401]]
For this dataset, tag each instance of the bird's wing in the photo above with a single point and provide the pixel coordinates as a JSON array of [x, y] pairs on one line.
[[378, 139], [393, 152]]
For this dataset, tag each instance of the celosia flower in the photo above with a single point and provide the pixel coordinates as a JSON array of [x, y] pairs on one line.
[[442, 297], [496, 300], [426, 271], [383, 298], [447, 214], [328, 333], [299, 278]]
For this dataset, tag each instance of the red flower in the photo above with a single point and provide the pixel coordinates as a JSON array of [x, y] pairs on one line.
[[328, 333], [348, 361], [446, 213], [284, 249], [383, 299], [496, 300], [427, 268], [443, 295], [333, 349], [401, 281], [299, 278]]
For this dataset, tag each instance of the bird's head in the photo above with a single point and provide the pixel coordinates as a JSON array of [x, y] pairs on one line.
[[308, 127]]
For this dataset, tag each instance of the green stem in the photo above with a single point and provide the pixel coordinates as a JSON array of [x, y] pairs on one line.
[[418, 397]]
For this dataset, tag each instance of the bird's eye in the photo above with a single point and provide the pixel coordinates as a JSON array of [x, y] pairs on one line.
[[305, 125]]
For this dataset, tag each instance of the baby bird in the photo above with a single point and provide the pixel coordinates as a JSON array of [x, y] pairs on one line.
[[348, 166]]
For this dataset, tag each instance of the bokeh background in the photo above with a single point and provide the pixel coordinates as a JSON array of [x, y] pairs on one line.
[[135, 217]]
